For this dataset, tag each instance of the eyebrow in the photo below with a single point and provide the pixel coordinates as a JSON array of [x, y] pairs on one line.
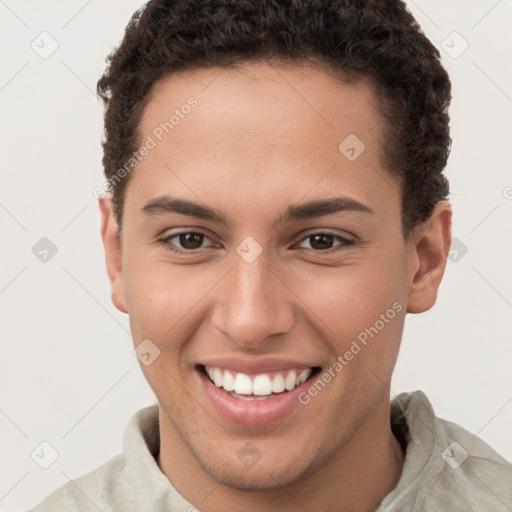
[[310, 210]]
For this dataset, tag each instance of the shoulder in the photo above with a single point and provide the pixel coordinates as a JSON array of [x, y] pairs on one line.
[[118, 484], [108, 487], [446, 466], [473, 470], [472, 476]]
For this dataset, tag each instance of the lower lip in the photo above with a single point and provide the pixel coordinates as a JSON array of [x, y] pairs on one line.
[[251, 413]]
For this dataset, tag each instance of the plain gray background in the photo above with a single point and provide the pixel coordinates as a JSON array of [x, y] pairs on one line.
[[68, 374]]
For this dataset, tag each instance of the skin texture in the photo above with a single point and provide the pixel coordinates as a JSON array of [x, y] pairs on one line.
[[262, 138]]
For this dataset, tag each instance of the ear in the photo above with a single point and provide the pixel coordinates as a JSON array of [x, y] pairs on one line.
[[113, 255], [428, 252]]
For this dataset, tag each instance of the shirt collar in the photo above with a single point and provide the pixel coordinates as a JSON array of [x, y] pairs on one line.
[[414, 423]]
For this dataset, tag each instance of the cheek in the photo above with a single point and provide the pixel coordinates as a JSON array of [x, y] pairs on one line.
[[166, 303], [156, 305], [161, 306], [360, 308], [153, 296], [347, 298]]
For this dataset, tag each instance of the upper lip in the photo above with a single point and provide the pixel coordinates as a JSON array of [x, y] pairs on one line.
[[261, 365]]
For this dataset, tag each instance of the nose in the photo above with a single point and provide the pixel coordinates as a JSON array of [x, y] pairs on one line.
[[253, 303]]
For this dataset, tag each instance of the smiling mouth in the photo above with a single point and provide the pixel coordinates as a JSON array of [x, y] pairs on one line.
[[261, 386]]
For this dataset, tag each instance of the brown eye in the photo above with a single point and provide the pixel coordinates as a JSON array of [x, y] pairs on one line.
[[325, 242], [321, 242], [184, 242], [191, 240]]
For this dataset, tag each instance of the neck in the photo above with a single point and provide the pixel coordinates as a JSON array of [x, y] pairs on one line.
[[355, 479]]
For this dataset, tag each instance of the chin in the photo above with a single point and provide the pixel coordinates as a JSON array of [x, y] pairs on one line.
[[260, 479], [263, 474]]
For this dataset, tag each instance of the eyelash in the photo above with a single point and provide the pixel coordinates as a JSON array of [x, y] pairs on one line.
[[345, 242]]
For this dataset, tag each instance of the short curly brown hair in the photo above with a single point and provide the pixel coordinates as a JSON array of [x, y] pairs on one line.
[[376, 39]]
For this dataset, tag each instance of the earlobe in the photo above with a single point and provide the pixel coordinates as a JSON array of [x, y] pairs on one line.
[[427, 259], [113, 254]]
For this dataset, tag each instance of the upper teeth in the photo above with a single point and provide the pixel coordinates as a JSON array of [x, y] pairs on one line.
[[261, 384]]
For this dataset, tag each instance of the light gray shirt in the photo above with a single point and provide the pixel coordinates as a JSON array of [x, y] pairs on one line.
[[446, 469]]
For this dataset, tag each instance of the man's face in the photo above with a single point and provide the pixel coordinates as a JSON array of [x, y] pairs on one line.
[[264, 293]]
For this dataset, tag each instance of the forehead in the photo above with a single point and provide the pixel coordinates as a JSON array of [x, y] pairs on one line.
[[277, 90], [259, 131]]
